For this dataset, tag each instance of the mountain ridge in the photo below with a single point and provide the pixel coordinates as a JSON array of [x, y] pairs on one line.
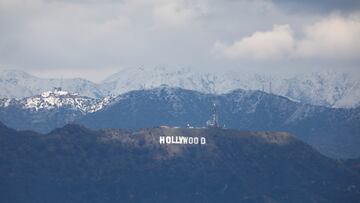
[[57, 99], [73, 164], [329, 89], [332, 131], [48, 110], [19, 84]]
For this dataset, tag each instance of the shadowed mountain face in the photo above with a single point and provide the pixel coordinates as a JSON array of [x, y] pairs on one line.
[[334, 132], [74, 164]]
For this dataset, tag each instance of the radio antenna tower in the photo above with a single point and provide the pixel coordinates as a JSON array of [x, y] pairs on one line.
[[213, 122]]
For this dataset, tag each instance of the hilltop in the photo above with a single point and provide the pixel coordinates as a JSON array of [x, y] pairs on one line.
[[75, 164]]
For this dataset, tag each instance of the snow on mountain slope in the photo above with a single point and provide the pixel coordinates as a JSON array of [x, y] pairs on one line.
[[144, 78], [18, 84], [141, 78], [58, 99], [326, 89], [329, 89]]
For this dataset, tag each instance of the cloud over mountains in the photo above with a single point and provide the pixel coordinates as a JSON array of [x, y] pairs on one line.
[[335, 37], [87, 38]]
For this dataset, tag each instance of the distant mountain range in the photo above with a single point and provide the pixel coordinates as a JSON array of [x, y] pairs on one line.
[[48, 110], [328, 89], [75, 164], [333, 131], [19, 84]]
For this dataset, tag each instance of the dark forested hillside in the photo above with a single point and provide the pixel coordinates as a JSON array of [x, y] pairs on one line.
[[74, 164]]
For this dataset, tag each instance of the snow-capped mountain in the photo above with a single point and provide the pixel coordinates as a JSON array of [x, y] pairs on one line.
[[58, 98], [330, 89], [19, 84], [48, 110]]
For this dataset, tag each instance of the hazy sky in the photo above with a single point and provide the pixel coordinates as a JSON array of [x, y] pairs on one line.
[[92, 39]]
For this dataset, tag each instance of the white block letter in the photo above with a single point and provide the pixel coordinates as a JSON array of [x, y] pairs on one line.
[[162, 140]]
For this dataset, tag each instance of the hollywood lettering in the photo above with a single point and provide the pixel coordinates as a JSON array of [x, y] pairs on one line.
[[182, 140]]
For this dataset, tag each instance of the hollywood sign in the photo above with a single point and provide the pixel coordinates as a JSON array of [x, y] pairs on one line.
[[181, 140]]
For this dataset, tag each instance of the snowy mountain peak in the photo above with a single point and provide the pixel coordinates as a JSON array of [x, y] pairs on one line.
[[57, 99], [329, 88], [18, 84], [14, 74], [57, 92]]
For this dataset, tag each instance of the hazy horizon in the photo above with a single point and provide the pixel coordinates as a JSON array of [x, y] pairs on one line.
[[103, 75]]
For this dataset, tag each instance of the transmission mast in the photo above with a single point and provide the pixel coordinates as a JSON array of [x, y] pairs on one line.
[[213, 122]]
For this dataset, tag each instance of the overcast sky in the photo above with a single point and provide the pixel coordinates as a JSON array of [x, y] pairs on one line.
[[92, 39]]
